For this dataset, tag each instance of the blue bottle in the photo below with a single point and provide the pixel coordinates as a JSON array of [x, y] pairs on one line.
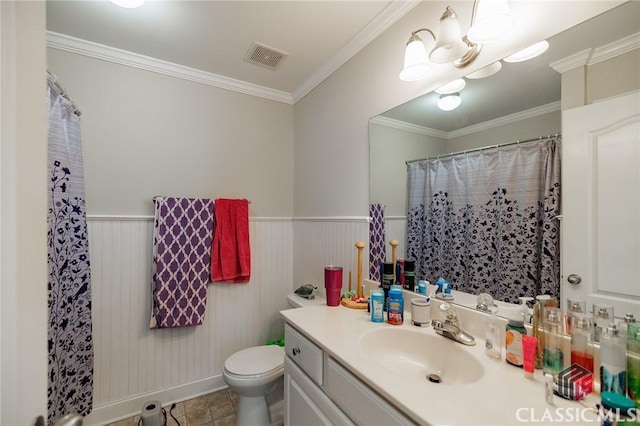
[[376, 300]]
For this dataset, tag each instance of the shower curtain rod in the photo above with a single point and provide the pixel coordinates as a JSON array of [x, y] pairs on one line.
[[53, 80], [481, 149]]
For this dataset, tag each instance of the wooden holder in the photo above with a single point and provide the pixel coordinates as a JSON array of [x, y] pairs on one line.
[[394, 247], [359, 246]]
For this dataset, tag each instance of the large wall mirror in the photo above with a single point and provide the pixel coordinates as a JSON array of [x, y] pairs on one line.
[[521, 102]]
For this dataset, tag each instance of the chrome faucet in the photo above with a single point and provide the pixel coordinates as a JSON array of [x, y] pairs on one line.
[[450, 327]]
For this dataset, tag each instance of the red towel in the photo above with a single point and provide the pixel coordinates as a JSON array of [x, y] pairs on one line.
[[230, 250]]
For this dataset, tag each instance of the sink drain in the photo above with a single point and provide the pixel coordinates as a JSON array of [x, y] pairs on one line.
[[434, 378]]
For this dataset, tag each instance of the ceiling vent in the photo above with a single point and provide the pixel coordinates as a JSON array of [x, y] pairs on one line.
[[265, 56]]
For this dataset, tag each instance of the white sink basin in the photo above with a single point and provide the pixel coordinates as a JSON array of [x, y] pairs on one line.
[[416, 354]]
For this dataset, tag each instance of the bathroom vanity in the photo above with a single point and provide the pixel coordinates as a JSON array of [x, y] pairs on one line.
[[341, 368]]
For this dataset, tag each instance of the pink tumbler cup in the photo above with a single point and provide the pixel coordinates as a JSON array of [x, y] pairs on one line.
[[333, 284]]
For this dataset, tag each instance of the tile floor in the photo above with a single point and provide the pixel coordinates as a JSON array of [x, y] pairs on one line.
[[215, 409]]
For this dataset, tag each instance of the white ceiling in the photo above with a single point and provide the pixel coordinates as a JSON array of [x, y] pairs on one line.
[[320, 36], [214, 36]]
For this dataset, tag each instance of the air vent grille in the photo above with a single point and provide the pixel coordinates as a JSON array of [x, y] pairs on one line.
[[265, 56]]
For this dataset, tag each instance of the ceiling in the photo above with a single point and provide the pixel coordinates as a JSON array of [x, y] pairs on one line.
[[214, 36], [319, 37]]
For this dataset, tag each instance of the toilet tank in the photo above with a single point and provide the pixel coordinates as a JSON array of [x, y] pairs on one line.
[[295, 301]]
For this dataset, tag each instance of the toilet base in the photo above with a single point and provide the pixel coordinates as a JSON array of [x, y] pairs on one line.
[[252, 411]]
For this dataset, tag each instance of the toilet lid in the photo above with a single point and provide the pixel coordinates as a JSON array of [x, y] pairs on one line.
[[255, 360]]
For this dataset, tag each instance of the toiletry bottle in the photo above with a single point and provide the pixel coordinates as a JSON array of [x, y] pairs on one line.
[[493, 335], [395, 306], [613, 361], [542, 301], [602, 317], [513, 335], [552, 357], [573, 306], [409, 275], [376, 305], [633, 362], [387, 280], [624, 324], [528, 316], [581, 340]]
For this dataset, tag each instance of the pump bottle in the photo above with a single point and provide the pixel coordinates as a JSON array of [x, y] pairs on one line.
[[613, 361]]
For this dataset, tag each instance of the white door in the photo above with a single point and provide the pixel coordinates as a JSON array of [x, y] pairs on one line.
[[601, 204]]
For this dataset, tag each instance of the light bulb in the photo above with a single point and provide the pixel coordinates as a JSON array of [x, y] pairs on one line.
[[449, 102]]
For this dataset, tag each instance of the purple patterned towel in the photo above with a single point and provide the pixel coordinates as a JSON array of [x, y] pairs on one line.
[[377, 249], [183, 228]]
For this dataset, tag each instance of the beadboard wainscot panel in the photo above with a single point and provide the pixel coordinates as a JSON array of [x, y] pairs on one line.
[[324, 241], [134, 364], [395, 228]]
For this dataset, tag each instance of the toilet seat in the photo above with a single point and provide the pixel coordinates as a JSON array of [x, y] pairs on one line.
[[255, 362]]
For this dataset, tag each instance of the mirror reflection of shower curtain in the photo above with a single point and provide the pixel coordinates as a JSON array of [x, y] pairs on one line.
[[487, 220], [70, 373]]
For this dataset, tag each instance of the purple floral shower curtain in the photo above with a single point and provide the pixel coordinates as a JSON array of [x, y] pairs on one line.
[[487, 220], [70, 373]]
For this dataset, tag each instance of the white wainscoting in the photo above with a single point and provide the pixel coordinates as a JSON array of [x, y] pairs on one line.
[[320, 242], [134, 364]]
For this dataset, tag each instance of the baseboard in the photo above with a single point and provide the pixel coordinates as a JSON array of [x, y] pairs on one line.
[[132, 406]]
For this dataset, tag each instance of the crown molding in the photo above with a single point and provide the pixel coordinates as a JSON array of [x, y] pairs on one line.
[[507, 119], [579, 59], [590, 57], [501, 121], [147, 63], [408, 127], [394, 11], [619, 47]]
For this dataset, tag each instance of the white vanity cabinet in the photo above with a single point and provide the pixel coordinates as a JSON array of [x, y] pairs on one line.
[[321, 391]]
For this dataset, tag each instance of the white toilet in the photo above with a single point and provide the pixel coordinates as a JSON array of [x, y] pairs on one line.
[[256, 374]]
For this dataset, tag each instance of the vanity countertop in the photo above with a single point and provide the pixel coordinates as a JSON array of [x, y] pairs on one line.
[[503, 396]]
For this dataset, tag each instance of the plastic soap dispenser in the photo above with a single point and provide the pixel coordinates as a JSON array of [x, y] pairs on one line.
[[493, 335], [513, 334]]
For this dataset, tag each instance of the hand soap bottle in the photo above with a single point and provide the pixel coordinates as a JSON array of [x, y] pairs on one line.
[[513, 335]]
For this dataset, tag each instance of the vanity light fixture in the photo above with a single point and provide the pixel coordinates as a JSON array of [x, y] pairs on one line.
[[530, 52], [449, 102], [492, 20], [450, 46], [129, 4]]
